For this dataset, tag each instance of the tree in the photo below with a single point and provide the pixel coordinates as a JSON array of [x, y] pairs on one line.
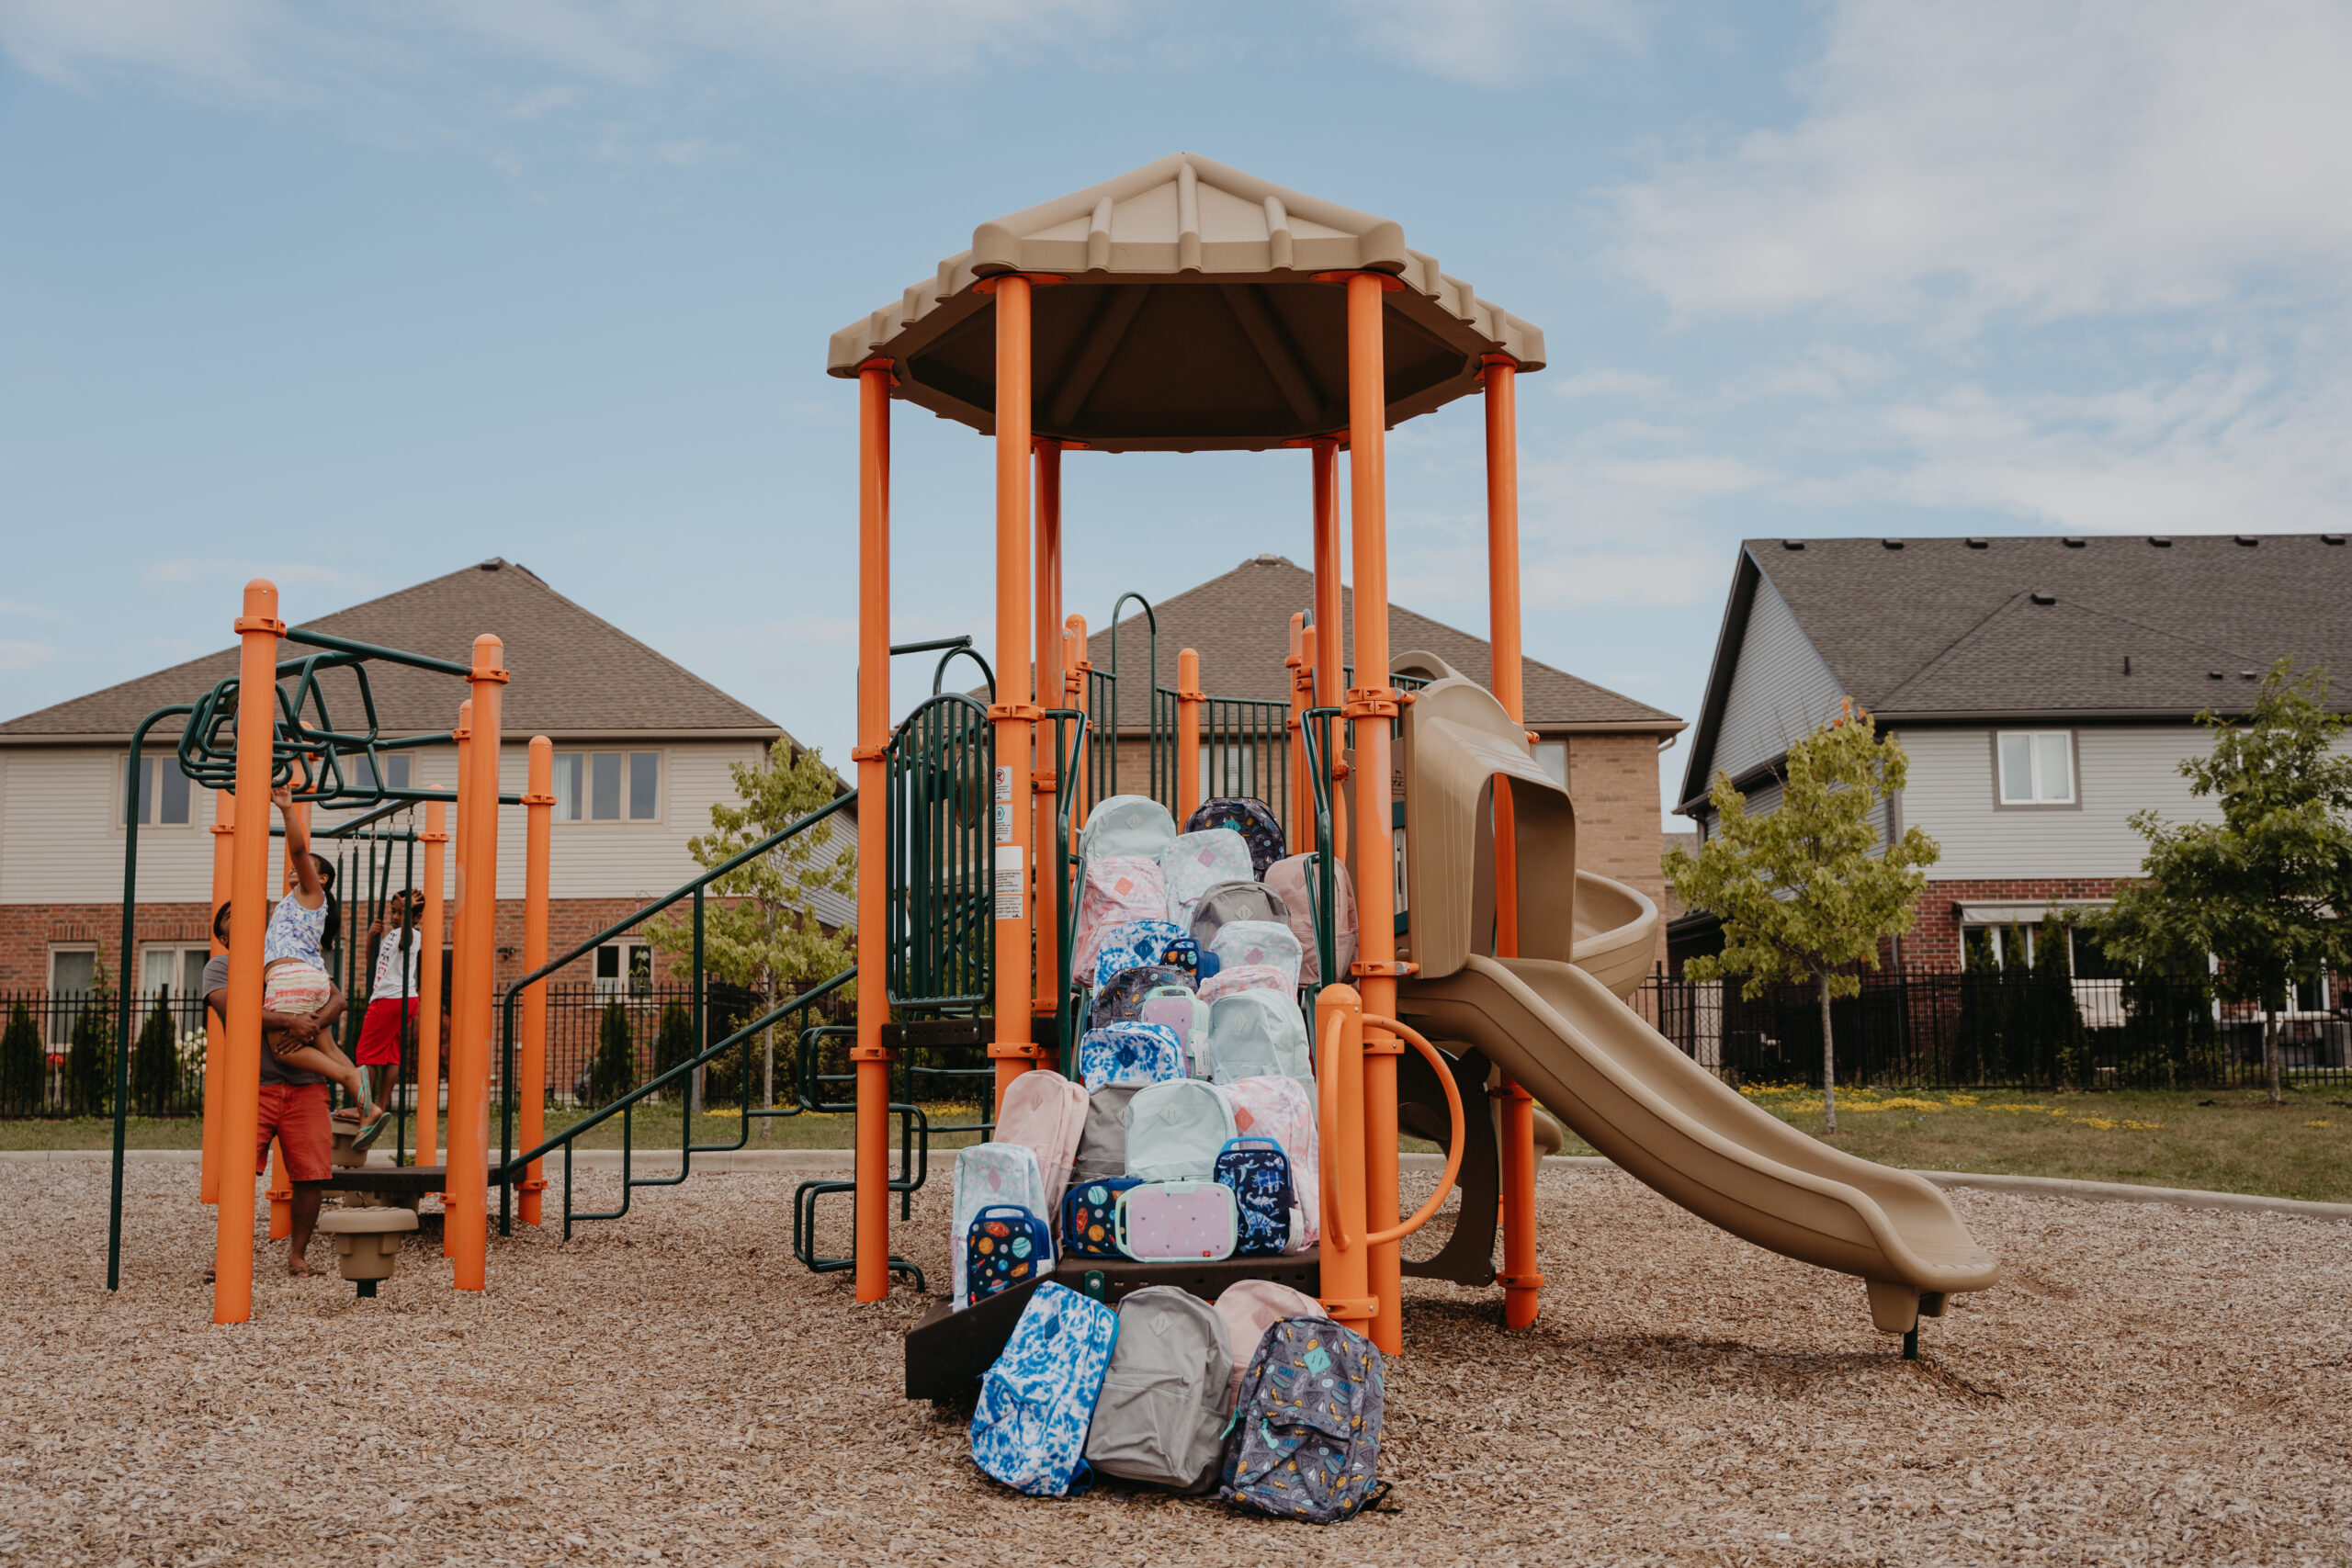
[[23, 1063], [673, 1041], [1807, 889], [759, 929], [2260, 890], [612, 1073], [155, 1059], [89, 1054], [2054, 1017]]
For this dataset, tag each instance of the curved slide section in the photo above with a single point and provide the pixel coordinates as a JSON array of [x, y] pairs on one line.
[[1630, 1092]]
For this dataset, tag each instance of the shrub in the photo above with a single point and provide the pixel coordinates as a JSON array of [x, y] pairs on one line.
[[674, 1042], [23, 1063], [614, 1072], [154, 1061], [90, 1060]]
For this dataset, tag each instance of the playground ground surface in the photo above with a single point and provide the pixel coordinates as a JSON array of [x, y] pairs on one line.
[[2145, 1385], [2213, 1140]]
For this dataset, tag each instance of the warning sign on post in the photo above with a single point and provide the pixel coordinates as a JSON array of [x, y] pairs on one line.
[[1010, 885], [1004, 813]]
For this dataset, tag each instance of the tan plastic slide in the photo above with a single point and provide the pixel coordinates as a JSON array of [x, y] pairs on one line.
[[1558, 1025]]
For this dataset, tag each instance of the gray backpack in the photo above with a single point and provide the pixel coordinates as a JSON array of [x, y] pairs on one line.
[[1229, 901], [1168, 1395], [1102, 1142], [1306, 1442]]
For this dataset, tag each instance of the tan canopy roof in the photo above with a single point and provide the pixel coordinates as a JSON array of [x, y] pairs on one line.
[[1191, 319]]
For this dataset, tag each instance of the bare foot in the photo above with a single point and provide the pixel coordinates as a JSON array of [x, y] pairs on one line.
[[300, 1267], [208, 1273]]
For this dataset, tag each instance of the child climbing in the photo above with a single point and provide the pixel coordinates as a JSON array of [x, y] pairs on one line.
[[392, 996], [295, 983]]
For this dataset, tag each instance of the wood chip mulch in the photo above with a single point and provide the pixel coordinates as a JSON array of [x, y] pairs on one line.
[[2146, 1385]]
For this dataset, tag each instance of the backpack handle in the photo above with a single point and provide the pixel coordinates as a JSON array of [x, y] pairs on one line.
[[1274, 1143], [988, 1209]]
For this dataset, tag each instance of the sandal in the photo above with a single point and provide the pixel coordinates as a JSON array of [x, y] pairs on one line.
[[367, 1136]]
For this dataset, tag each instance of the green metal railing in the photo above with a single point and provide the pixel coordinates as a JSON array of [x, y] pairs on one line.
[[941, 762]]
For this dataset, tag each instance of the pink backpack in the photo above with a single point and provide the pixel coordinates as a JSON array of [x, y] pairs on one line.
[[1295, 881], [1249, 977], [1248, 1308], [1283, 1109], [1118, 888], [1045, 1111]]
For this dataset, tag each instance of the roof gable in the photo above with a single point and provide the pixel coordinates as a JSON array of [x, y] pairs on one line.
[[573, 672]]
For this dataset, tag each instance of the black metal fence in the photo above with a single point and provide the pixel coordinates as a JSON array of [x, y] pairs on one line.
[[1936, 1029], [57, 1054]]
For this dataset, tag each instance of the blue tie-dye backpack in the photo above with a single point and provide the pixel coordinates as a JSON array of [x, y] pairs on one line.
[[1306, 1436], [1129, 1053], [1135, 943], [1258, 1173], [1029, 1428]]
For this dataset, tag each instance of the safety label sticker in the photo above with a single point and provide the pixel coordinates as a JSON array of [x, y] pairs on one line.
[[1010, 885]]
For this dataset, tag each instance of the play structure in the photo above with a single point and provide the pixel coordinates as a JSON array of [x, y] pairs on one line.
[[1184, 307]]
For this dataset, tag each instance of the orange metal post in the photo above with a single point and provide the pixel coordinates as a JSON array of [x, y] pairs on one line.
[[216, 1028], [258, 630], [1522, 1282], [1372, 705], [1339, 1080], [1047, 606], [1189, 697], [1330, 658], [1300, 808], [1015, 714], [428, 988], [871, 1199], [460, 953], [531, 1049], [1076, 667], [465, 1200]]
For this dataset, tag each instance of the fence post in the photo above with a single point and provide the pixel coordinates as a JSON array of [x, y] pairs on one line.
[[531, 1071]]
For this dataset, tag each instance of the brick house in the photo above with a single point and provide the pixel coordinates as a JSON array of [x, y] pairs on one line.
[[2044, 689], [642, 752], [1601, 745]]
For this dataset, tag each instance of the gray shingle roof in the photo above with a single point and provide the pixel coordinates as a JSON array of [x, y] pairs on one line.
[[573, 672], [1239, 624], [1950, 629]]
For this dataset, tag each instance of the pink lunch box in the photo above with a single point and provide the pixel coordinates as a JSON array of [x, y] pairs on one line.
[[1177, 1222]]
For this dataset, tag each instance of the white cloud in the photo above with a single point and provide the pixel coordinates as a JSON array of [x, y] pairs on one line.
[[1610, 383], [1490, 42], [25, 655], [2028, 156]]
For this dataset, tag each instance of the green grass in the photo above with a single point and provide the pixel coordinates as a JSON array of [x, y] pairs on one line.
[[2228, 1140]]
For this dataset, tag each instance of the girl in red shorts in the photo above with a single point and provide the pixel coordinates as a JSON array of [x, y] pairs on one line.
[[392, 995]]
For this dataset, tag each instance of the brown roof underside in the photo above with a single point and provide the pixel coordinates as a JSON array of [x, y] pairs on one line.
[[1239, 624], [573, 672]]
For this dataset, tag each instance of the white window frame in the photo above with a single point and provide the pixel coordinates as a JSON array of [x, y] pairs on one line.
[[150, 795], [582, 796], [2070, 800], [61, 1020], [617, 984], [1220, 762]]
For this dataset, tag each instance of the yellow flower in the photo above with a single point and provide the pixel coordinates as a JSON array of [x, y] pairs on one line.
[[1906, 1104], [2322, 1123], [2143, 1126]]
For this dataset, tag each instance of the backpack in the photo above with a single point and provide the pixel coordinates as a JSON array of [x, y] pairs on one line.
[[1306, 1424], [1135, 1054], [1116, 889], [1102, 1146], [1253, 820], [1121, 1002], [1301, 889], [1089, 1217], [1245, 944], [1006, 1246], [1045, 1111], [1283, 1109], [1248, 1308], [1198, 862], [1230, 901], [1257, 1172], [1126, 825], [986, 1174], [1168, 1397], [1250, 977], [1180, 1009], [1254, 1033], [1029, 1427], [1132, 946], [1175, 1129], [1177, 1222]]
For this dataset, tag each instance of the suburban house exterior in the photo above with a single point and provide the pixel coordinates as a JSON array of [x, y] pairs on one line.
[[642, 752], [1603, 746], [2044, 689]]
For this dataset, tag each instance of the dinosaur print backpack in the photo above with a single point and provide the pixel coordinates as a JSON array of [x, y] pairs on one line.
[[1307, 1428], [1257, 1172], [1029, 1427]]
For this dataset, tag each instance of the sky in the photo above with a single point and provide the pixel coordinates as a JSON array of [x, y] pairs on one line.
[[352, 295]]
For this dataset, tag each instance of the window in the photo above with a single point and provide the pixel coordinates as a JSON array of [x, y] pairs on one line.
[[1228, 772], [607, 786], [178, 969], [71, 972], [624, 966], [165, 795], [1551, 756], [396, 772], [2036, 767]]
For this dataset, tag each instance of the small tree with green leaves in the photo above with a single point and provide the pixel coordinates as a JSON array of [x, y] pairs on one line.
[[1808, 888], [2264, 888], [2055, 1019], [155, 1059], [759, 929], [612, 1073], [673, 1041], [23, 1063], [89, 1054]]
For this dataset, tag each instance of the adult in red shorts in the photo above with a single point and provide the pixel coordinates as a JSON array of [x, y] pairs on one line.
[[381, 1026], [293, 1105]]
